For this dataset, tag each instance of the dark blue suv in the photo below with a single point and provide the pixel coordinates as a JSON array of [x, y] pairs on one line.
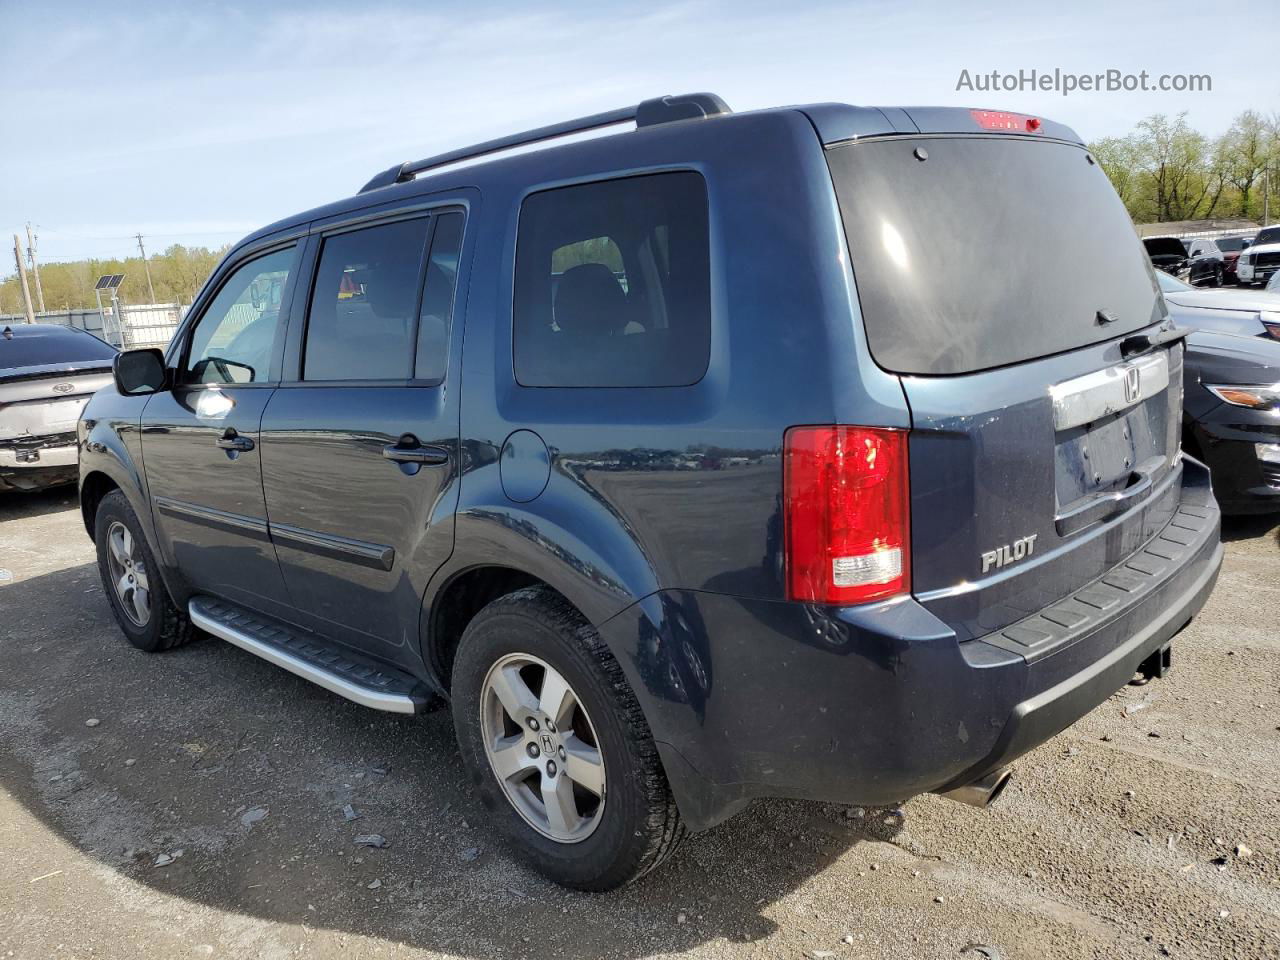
[[729, 456]]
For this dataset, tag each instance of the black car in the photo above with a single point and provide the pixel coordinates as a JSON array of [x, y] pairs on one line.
[[1231, 415], [691, 464], [47, 374], [1206, 267]]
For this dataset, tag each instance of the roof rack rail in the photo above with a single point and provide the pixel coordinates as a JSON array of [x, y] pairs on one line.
[[648, 113]]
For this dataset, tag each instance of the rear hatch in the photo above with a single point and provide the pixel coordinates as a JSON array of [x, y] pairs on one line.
[[998, 276], [47, 375]]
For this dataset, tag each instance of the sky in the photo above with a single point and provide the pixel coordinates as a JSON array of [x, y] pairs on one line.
[[196, 123]]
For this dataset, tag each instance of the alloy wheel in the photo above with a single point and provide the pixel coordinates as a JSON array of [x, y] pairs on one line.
[[128, 574], [543, 748]]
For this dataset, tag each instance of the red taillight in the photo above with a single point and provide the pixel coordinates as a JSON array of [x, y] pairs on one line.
[[847, 514], [1273, 328], [1001, 120]]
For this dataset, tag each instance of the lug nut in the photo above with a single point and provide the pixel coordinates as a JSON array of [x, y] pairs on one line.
[[533, 724], [551, 727], [532, 751], [561, 752], [551, 768]]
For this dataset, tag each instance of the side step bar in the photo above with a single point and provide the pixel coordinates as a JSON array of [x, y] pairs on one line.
[[337, 670]]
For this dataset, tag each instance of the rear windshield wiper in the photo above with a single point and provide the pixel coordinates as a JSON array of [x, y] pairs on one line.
[[1142, 342]]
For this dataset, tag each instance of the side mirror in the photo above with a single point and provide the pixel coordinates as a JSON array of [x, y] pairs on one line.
[[139, 372]]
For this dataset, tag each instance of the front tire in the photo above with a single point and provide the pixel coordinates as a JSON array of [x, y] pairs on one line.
[[557, 745], [131, 580]]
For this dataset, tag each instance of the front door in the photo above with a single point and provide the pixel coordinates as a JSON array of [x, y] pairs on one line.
[[360, 448], [201, 441]]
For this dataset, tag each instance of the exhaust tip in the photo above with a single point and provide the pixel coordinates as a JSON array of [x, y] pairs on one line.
[[981, 792]]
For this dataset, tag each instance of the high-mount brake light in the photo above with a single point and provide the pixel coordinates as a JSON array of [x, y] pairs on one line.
[[1003, 120], [847, 514]]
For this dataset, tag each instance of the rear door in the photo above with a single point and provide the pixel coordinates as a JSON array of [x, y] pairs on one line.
[[360, 446], [999, 275]]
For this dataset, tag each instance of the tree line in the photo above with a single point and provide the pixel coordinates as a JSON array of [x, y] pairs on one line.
[[176, 275], [1164, 170]]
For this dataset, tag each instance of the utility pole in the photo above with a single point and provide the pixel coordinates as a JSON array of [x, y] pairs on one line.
[[35, 268], [22, 275], [151, 292]]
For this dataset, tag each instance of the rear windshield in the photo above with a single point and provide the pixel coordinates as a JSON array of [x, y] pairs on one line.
[[1270, 235], [30, 349], [990, 251], [1231, 244]]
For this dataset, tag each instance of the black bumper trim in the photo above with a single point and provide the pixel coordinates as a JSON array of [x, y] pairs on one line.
[[1048, 713]]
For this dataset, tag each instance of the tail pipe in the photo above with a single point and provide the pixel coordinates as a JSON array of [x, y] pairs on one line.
[[981, 792]]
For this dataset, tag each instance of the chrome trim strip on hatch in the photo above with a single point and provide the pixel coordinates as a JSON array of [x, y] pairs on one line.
[[1101, 393], [390, 702]]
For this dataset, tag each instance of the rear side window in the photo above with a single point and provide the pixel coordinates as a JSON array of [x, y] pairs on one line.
[[364, 305], [612, 285], [988, 251]]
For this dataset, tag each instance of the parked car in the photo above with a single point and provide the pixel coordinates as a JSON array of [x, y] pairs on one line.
[[1171, 255], [1231, 248], [1273, 286], [47, 373], [1261, 261], [506, 477], [1231, 417], [1248, 313]]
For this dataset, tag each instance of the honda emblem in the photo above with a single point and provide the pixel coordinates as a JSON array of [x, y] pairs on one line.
[[1132, 384]]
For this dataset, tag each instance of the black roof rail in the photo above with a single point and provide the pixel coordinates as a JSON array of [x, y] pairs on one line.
[[648, 113]]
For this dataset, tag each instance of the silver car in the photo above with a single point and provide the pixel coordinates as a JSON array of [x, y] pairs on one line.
[[47, 374]]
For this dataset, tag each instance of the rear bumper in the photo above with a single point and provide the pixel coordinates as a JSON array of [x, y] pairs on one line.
[[34, 465], [879, 703]]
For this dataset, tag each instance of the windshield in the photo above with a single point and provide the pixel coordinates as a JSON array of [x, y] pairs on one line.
[[1231, 244], [988, 251], [1270, 235], [1171, 284], [38, 346]]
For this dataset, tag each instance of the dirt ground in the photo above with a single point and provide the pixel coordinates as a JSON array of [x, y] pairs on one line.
[[1151, 828]]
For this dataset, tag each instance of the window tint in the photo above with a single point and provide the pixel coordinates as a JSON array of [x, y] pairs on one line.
[[232, 341], [959, 260], [360, 325], [437, 298], [612, 284]]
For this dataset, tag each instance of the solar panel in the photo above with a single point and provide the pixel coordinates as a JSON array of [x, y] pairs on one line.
[[103, 282], [116, 280]]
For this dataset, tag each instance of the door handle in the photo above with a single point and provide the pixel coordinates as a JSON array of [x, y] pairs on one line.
[[408, 450], [233, 441]]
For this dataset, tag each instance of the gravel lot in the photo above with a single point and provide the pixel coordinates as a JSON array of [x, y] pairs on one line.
[[1151, 828]]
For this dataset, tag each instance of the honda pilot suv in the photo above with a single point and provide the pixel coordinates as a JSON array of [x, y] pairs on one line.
[[691, 464]]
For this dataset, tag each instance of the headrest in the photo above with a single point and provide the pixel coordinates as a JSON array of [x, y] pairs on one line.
[[590, 301]]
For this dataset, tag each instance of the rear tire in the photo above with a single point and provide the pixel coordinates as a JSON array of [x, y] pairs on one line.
[[514, 645], [139, 600]]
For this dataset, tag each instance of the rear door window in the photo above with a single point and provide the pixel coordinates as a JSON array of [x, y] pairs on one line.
[[438, 295], [363, 317], [612, 285], [978, 252]]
